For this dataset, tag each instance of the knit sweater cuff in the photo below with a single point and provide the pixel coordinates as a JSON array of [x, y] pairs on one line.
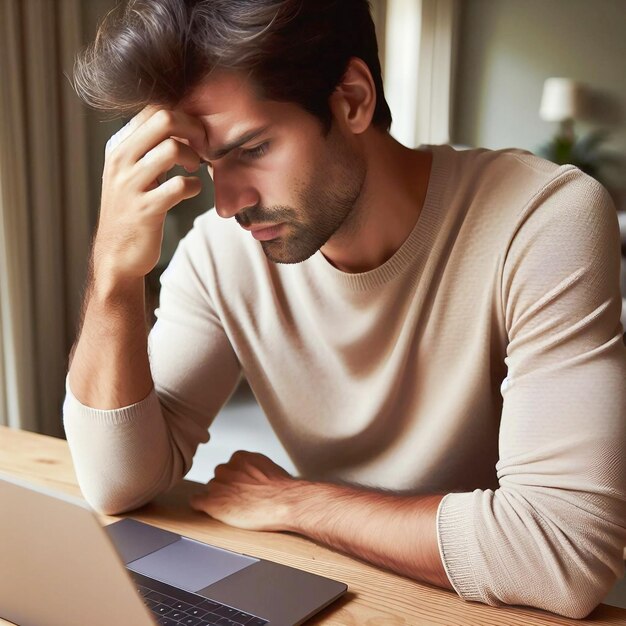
[[74, 409], [455, 537]]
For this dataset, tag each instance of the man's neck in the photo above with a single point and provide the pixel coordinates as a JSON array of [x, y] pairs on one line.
[[388, 209]]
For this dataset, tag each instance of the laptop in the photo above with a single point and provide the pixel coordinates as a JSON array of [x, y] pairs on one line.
[[60, 567]]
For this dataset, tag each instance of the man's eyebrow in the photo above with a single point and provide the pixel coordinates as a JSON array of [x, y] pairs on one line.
[[236, 143]]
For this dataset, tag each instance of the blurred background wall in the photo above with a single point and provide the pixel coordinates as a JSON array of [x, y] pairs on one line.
[[507, 48]]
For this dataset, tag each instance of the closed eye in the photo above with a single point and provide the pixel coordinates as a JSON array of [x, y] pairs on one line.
[[256, 152]]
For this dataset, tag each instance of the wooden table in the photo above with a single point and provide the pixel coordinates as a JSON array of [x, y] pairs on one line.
[[375, 597]]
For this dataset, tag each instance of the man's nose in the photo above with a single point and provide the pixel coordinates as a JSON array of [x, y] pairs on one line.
[[232, 194]]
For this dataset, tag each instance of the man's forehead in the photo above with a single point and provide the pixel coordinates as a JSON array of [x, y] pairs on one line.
[[229, 109], [232, 113], [219, 94]]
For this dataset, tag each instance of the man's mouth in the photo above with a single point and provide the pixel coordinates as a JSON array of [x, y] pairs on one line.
[[264, 232]]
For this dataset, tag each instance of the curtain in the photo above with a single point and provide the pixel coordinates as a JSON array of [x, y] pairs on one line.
[[419, 67], [44, 217]]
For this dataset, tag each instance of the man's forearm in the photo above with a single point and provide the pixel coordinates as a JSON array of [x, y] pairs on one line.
[[392, 531], [395, 532], [109, 366]]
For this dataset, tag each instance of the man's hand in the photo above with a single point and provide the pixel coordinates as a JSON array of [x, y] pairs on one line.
[[134, 205], [250, 491], [392, 531]]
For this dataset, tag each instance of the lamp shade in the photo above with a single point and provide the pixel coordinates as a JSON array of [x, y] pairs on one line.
[[561, 100]]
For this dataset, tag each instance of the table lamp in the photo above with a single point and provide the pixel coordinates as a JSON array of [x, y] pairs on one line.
[[561, 102], [564, 100]]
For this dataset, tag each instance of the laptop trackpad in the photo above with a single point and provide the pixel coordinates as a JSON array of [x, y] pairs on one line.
[[190, 565]]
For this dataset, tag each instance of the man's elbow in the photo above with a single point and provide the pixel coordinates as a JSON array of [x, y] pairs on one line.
[[115, 499], [581, 599], [112, 491], [576, 595], [104, 505]]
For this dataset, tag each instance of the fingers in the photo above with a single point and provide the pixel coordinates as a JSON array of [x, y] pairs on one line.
[[251, 467], [231, 473], [172, 191], [133, 205], [163, 158], [123, 133], [143, 116], [214, 494], [221, 471], [198, 502], [244, 456], [242, 494], [161, 125], [253, 464], [242, 472], [153, 142]]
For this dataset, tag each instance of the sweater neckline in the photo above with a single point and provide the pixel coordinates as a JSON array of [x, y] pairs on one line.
[[414, 251]]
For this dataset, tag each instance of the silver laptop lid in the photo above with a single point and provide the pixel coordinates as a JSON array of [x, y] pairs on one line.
[[58, 566]]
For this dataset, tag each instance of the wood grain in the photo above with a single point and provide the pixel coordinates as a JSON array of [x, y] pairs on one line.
[[375, 597]]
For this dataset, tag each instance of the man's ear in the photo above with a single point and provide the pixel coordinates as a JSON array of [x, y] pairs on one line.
[[354, 100]]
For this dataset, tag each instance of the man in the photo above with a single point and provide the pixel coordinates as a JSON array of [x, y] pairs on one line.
[[434, 335]]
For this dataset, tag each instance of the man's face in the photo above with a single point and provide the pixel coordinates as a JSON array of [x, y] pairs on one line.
[[272, 166]]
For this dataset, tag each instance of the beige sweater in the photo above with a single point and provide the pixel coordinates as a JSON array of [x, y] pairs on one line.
[[484, 360]]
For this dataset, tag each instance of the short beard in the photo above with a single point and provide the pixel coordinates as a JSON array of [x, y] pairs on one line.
[[327, 204], [331, 211]]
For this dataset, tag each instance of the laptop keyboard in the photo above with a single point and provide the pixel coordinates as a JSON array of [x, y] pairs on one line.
[[174, 607]]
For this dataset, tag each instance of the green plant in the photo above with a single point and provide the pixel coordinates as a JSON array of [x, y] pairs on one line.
[[586, 153]]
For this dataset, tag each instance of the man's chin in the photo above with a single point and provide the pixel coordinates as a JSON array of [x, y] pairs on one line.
[[278, 251]]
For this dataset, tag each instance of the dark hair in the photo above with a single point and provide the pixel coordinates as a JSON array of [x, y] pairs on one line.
[[157, 51]]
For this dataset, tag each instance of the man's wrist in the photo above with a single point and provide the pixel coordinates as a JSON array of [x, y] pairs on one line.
[[301, 501], [108, 288]]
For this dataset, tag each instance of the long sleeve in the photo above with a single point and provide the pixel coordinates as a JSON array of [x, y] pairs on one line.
[[552, 535], [125, 457]]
